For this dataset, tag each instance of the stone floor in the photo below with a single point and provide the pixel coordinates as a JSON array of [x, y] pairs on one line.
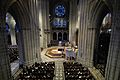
[[14, 66], [44, 57], [59, 70]]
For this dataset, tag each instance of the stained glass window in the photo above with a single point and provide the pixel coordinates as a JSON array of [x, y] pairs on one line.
[[59, 22], [60, 10]]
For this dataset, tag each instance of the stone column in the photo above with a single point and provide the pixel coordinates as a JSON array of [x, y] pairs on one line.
[[47, 22], [113, 61], [37, 31], [44, 21], [62, 35], [86, 34], [34, 18], [5, 70], [20, 47], [81, 30], [72, 20], [28, 57], [38, 34], [57, 35], [11, 22], [30, 34], [40, 22], [33, 27], [13, 34]]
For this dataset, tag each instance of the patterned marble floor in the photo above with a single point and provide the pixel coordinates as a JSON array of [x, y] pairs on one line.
[[59, 70], [14, 66]]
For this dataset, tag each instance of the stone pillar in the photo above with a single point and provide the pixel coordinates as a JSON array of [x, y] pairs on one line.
[[47, 22], [20, 47], [44, 21], [57, 35], [30, 34], [5, 70], [28, 57], [62, 35], [13, 34], [72, 20], [86, 34], [34, 26], [42, 9], [40, 23], [37, 31], [81, 30], [38, 34], [11, 22], [113, 61]]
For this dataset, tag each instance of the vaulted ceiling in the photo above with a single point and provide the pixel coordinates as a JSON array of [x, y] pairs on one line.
[[17, 8]]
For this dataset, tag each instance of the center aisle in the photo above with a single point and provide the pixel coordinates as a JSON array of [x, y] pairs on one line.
[[59, 70]]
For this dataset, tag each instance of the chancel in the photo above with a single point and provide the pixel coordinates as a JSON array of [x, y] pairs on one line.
[[59, 39]]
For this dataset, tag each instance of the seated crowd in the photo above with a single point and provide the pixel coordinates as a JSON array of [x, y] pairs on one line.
[[13, 54], [38, 71], [101, 68], [75, 71]]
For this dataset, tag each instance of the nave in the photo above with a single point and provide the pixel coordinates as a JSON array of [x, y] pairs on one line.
[[53, 69], [30, 29]]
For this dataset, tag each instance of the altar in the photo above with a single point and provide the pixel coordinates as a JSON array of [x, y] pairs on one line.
[[57, 52], [61, 52]]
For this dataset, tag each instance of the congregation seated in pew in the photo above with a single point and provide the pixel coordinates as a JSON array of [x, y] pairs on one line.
[[38, 71], [75, 71], [13, 54]]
